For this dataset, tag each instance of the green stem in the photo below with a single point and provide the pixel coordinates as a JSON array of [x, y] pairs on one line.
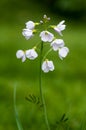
[[41, 92], [16, 112], [47, 53]]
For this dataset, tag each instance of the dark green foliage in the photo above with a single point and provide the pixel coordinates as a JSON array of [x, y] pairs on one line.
[[34, 99], [60, 124]]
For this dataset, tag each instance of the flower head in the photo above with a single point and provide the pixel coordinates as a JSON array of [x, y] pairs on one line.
[[60, 27], [31, 54], [46, 36], [57, 43], [63, 52], [27, 33], [21, 55], [30, 25], [47, 66]]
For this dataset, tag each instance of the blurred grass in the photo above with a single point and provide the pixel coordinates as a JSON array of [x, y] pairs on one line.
[[64, 89]]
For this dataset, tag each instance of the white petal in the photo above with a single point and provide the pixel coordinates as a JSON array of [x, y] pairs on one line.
[[23, 58], [46, 36], [61, 22], [30, 25], [57, 43], [27, 33], [45, 67], [63, 52], [61, 27], [43, 36], [55, 47], [50, 37], [31, 54], [50, 65], [19, 54]]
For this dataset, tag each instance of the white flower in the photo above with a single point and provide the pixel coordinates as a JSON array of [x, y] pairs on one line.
[[21, 55], [63, 52], [46, 36], [27, 33], [30, 25], [57, 43], [47, 66], [60, 27], [31, 54]]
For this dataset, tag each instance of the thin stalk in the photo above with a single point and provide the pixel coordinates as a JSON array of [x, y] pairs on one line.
[[41, 92], [16, 112], [47, 53]]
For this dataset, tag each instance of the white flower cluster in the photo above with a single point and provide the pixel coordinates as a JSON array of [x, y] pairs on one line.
[[30, 54], [29, 30], [46, 36]]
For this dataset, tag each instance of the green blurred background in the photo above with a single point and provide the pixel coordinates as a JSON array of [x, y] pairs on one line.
[[65, 88]]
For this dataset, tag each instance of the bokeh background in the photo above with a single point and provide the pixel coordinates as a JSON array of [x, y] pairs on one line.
[[65, 88]]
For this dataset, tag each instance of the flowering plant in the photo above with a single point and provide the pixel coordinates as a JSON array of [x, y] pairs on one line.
[[46, 37]]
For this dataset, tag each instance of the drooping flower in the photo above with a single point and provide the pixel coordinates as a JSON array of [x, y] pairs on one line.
[[30, 25], [47, 66], [27, 33], [57, 43], [31, 54], [63, 52], [46, 36], [20, 54], [60, 27]]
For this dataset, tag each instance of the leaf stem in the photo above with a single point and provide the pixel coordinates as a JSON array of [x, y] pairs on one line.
[[41, 92]]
